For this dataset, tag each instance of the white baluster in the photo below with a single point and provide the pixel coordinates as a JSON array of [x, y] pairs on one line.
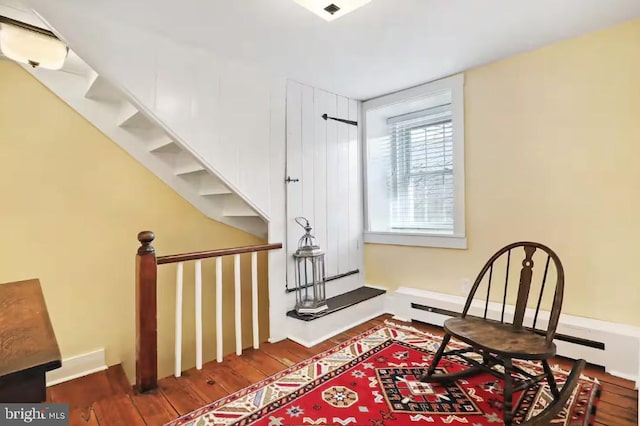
[[219, 309], [199, 314], [178, 349], [236, 269], [254, 299]]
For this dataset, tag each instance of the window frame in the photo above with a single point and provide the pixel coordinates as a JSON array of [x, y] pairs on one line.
[[457, 240]]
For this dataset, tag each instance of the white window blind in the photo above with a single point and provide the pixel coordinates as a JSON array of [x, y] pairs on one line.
[[420, 178]]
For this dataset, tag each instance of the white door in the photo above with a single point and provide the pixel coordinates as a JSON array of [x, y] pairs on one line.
[[324, 181]]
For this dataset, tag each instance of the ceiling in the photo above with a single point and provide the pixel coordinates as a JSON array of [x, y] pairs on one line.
[[385, 46]]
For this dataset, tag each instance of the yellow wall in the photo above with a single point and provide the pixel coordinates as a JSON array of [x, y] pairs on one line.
[[552, 155], [71, 205]]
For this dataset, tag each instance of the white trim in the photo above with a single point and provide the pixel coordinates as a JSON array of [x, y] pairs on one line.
[[626, 376], [415, 92], [78, 366], [454, 85], [622, 341], [277, 339], [426, 116], [423, 240]]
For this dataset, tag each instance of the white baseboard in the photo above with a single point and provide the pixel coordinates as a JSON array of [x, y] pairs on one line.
[[622, 342], [78, 366]]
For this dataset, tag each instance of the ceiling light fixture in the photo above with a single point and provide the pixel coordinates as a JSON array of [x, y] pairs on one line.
[[31, 45], [332, 9]]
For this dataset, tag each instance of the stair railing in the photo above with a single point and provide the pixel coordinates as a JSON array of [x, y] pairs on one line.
[[146, 304]]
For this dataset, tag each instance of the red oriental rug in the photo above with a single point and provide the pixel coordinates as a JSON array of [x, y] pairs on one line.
[[372, 380]]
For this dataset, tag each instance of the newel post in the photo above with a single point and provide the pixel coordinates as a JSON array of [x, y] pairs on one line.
[[146, 314]]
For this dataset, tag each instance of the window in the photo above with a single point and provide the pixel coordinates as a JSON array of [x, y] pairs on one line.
[[415, 166]]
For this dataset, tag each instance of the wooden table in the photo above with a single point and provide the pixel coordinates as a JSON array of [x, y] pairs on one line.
[[28, 346]]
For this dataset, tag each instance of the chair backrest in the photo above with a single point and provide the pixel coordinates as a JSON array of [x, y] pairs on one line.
[[512, 254]]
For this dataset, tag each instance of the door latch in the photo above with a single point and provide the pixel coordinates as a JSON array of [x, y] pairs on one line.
[[289, 180]]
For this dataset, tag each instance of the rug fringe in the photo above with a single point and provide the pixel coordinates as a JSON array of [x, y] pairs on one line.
[[401, 326], [412, 329]]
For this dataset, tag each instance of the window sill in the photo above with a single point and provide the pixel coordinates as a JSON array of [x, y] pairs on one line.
[[417, 240]]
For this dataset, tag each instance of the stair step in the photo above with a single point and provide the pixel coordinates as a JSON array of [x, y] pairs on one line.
[[342, 301], [100, 89], [222, 190], [211, 185], [234, 206], [189, 167], [163, 144], [130, 117]]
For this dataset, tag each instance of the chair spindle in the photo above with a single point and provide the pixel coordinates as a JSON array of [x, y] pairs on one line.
[[486, 304], [544, 281], [506, 286]]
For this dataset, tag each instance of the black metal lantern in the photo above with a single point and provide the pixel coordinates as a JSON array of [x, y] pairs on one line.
[[311, 297]]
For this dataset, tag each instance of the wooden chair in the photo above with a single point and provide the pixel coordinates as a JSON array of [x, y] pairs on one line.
[[505, 337]]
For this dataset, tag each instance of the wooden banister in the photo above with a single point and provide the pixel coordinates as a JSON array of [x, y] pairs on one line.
[[146, 300], [146, 314], [174, 258]]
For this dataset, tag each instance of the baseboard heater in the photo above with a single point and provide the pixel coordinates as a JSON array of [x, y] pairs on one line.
[[559, 336], [614, 346]]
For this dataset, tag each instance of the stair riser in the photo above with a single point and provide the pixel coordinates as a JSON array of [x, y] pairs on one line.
[[313, 332]]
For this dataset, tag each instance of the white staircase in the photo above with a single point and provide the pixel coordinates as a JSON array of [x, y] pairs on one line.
[[93, 97]]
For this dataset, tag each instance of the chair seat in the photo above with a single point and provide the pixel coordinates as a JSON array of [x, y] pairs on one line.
[[500, 339]]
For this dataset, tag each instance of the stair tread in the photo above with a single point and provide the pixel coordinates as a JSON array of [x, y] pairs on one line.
[[215, 191], [186, 169], [164, 144], [342, 301]]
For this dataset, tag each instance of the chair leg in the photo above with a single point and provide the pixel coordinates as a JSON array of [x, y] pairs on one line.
[[436, 359], [508, 392], [550, 379]]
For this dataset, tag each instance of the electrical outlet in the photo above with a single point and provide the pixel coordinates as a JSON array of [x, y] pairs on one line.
[[465, 286]]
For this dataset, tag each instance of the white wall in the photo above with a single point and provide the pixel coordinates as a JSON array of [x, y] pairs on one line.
[[219, 109], [325, 157], [231, 116]]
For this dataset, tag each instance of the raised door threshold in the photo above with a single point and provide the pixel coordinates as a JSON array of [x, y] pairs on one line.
[[342, 301]]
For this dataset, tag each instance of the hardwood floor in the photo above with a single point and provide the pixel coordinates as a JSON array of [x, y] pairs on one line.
[[107, 399]]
